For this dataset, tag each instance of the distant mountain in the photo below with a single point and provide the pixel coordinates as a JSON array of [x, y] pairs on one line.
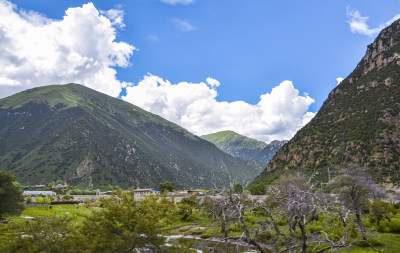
[[244, 147], [358, 124], [87, 138]]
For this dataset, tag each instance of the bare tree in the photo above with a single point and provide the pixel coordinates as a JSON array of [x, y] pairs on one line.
[[355, 190]]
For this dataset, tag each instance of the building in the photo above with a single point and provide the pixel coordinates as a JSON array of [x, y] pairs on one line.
[[146, 192], [38, 193], [190, 192]]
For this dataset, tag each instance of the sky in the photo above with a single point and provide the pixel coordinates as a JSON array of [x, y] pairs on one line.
[[260, 68]]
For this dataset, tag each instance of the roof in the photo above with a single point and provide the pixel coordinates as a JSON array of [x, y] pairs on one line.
[[146, 190], [38, 192]]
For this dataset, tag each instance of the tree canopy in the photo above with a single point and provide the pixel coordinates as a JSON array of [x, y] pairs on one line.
[[11, 199], [167, 186]]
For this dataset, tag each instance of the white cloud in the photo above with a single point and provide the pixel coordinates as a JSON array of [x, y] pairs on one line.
[[278, 114], [173, 2], [212, 82], [116, 16], [79, 48], [339, 80], [358, 23], [184, 26]]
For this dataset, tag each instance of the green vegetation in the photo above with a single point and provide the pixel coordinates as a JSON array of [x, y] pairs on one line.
[[257, 189], [291, 211], [244, 147], [237, 188], [356, 125], [167, 186], [75, 134], [11, 199]]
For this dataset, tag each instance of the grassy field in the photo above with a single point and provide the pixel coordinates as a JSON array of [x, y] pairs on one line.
[[75, 211], [390, 241]]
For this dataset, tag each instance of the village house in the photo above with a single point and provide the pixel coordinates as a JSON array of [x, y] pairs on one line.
[[145, 192], [38, 193]]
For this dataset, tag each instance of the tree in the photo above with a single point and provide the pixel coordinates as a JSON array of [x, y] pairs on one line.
[[381, 210], [355, 190], [127, 225], [167, 186], [186, 207], [121, 225], [11, 199], [257, 189], [237, 188]]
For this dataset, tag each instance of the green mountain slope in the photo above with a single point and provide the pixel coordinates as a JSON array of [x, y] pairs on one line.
[[73, 133], [359, 123], [244, 147]]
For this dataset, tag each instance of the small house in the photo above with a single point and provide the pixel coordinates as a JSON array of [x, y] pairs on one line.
[[38, 193], [145, 192]]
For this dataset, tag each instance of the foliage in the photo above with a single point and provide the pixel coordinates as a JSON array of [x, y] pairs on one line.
[[39, 200], [107, 139], [380, 210], [237, 188], [11, 199], [167, 186], [356, 125], [124, 224], [257, 189], [187, 206], [244, 147], [121, 225], [29, 199], [68, 197]]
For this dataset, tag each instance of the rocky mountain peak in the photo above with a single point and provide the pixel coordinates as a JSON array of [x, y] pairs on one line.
[[383, 50]]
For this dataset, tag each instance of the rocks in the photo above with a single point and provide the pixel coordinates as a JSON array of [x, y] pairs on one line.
[[388, 81]]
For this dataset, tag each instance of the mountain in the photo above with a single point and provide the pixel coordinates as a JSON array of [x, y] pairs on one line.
[[244, 147], [358, 124], [87, 138]]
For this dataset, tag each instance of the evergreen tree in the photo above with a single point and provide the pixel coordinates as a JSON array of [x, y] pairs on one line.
[[11, 199]]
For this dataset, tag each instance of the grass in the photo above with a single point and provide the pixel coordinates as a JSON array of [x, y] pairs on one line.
[[57, 210]]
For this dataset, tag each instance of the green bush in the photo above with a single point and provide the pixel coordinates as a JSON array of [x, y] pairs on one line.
[[46, 200], [395, 226], [29, 199], [392, 226], [39, 200], [281, 223], [315, 228], [68, 197]]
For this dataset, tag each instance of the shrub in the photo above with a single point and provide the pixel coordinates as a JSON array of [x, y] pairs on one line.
[[46, 200], [68, 197], [29, 199], [395, 226], [281, 223], [39, 200]]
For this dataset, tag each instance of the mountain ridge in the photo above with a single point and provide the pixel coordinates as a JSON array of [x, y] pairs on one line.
[[358, 124], [73, 133], [242, 146]]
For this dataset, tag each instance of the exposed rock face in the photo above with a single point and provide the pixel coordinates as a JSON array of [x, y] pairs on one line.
[[359, 123]]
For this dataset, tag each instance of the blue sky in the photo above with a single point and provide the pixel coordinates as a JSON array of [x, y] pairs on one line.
[[249, 46]]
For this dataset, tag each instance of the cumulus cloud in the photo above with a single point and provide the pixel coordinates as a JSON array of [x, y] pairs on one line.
[[339, 80], [358, 23], [116, 17], [173, 2], [79, 48], [183, 25], [278, 114], [212, 82]]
